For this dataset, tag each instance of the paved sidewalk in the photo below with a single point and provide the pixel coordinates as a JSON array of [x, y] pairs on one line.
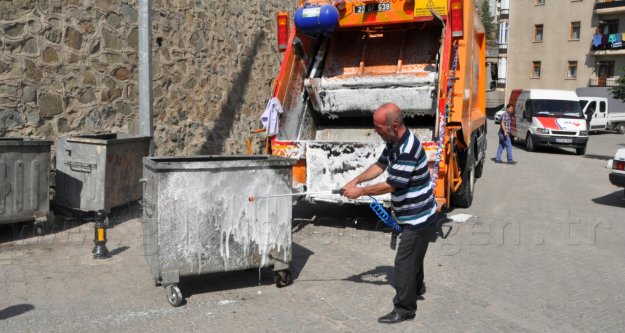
[[546, 255]]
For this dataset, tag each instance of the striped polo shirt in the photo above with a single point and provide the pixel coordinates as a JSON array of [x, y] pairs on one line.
[[408, 173]]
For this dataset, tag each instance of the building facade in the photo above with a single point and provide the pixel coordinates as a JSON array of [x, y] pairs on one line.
[[560, 44]]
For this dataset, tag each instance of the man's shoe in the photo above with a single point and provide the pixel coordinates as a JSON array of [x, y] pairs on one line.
[[511, 162], [422, 290], [394, 317], [497, 161]]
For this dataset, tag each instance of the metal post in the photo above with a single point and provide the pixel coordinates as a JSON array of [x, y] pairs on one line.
[[99, 237], [146, 127]]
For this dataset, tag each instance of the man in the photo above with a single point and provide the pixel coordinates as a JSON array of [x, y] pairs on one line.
[[413, 203], [504, 135]]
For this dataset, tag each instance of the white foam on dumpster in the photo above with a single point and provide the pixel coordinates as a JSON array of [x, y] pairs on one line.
[[331, 165], [208, 221]]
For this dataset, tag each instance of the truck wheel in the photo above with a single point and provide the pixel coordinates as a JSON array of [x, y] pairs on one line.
[[620, 128], [529, 143], [581, 151], [479, 168], [463, 197]]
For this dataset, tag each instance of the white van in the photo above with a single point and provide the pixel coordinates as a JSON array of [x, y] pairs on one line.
[[546, 117]]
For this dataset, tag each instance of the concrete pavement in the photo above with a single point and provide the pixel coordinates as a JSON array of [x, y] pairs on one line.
[[542, 250]]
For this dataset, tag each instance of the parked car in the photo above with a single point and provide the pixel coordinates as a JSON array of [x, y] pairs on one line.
[[498, 115], [617, 176]]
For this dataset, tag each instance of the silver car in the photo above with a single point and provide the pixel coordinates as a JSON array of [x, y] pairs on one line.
[[498, 115]]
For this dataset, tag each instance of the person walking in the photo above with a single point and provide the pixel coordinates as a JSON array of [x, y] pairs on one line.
[[505, 142], [413, 202]]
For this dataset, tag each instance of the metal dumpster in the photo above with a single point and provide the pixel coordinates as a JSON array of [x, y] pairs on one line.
[[24, 180], [198, 217], [99, 172]]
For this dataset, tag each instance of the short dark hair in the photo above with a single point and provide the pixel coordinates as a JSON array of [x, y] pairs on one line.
[[509, 105]]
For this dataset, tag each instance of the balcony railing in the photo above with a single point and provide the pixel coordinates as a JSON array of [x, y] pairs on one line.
[[503, 48], [607, 42], [607, 5], [604, 82], [504, 12]]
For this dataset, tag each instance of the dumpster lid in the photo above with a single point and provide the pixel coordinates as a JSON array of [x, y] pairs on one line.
[[106, 138], [24, 141], [216, 162]]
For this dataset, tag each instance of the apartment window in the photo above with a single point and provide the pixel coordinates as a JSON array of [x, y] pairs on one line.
[[536, 70], [539, 2], [503, 33], [571, 73], [538, 33], [575, 31]]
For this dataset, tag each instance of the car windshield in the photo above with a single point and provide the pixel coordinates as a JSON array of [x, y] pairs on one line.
[[556, 108], [582, 104]]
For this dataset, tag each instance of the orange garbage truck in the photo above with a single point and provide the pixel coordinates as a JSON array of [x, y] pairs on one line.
[[343, 59]]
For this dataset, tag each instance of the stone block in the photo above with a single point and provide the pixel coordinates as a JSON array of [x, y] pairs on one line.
[[14, 29], [10, 118], [89, 78], [4, 67], [124, 108], [50, 104], [50, 56], [73, 38], [60, 125], [133, 39], [114, 20], [87, 96], [129, 13], [30, 46], [53, 35], [31, 72], [29, 94], [111, 40], [121, 73], [8, 90], [92, 120], [32, 116], [104, 4]]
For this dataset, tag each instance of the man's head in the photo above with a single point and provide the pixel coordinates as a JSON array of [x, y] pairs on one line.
[[389, 123], [510, 108]]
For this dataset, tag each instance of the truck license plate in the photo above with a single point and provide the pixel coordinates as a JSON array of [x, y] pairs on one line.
[[372, 8], [560, 140]]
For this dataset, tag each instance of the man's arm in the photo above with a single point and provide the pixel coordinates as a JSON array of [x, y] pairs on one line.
[[371, 172], [503, 127], [375, 189]]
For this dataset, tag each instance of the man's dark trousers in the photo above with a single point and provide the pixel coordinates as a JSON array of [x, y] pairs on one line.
[[409, 266]]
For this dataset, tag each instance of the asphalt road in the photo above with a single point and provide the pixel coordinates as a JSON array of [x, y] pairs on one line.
[[542, 249]]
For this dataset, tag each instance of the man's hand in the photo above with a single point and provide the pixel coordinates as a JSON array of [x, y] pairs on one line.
[[352, 192]]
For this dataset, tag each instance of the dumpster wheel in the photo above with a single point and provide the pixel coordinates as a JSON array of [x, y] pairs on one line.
[[174, 296], [283, 278]]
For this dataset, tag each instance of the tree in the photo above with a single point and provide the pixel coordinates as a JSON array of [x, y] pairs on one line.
[[487, 20], [618, 91]]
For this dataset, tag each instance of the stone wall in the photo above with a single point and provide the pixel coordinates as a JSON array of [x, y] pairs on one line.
[[70, 67]]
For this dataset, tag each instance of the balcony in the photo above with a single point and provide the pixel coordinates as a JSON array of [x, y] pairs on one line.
[[605, 45], [609, 6], [504, 13], [503, 48], [604, 82], [501, 82]]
